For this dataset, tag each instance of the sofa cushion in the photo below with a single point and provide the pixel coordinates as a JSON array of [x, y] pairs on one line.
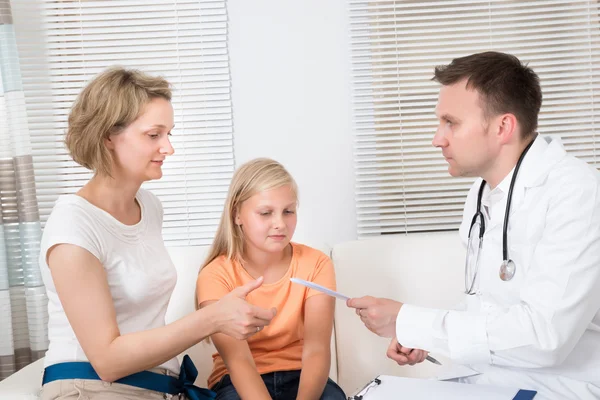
[[187, 261], [424, 269]]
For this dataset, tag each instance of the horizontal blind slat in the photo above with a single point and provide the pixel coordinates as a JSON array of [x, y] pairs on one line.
[[402, 182], [62, 47]]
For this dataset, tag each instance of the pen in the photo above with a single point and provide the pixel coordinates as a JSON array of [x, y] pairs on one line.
[[428, 358], [433, 360]]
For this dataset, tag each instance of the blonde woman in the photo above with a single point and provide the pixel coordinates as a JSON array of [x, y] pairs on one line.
[[104, 263], [290, 358]]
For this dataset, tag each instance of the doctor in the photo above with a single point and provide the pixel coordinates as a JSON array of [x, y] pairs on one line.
[[531, 224]]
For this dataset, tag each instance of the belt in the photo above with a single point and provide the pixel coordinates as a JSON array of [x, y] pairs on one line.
[[144, 379]]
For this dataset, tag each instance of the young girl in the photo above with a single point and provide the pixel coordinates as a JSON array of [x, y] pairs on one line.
[[290, 358], [107, 272]]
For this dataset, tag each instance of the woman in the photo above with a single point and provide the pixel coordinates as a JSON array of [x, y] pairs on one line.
[[104, 263]]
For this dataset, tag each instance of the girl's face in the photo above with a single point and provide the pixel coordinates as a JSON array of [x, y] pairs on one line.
[[268, 219]]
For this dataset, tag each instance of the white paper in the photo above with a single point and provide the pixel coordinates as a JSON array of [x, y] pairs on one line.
[[394, 387], [320, 288]]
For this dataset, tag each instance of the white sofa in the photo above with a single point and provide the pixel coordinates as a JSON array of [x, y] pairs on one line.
[[424, 269], [25, 384]]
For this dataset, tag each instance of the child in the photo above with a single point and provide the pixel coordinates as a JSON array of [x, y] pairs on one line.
[[290, 358]]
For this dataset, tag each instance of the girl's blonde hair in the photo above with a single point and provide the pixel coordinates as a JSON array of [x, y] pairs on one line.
[[106, 106], [253, 177]]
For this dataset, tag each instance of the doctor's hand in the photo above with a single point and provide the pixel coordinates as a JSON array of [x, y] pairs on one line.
[[404, 355], [378, 315]]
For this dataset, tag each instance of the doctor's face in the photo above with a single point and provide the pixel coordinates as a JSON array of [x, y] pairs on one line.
[[462, 132]]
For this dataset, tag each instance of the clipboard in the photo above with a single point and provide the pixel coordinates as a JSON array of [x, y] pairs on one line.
[[386, 387]]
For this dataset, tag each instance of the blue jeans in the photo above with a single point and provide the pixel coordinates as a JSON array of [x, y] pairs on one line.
[[282, 385]]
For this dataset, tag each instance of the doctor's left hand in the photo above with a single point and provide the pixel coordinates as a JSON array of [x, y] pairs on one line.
[[403, 355], [378, 314]]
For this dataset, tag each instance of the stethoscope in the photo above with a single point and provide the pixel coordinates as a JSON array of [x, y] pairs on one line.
[[508, 266]]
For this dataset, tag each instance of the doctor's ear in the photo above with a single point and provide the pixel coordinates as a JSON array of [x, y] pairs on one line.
[[507, 127]]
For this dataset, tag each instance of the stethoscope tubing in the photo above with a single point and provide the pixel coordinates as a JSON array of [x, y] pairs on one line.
[[506, 212]]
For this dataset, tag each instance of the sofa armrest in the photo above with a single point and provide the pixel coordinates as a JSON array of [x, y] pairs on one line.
[[24, 384]]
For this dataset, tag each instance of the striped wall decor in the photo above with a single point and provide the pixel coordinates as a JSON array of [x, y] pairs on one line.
[[23, 302]]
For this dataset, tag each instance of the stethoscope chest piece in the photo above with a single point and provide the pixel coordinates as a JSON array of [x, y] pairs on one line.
[[507, 270]]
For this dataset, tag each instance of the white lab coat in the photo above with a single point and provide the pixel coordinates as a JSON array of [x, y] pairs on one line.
[[540, 330]]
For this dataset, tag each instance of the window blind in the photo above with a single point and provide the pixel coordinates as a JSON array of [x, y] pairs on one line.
[[63, 44], [402, 183]]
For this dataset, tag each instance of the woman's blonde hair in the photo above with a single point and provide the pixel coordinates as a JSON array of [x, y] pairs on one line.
[[107, 105], [253, 177]]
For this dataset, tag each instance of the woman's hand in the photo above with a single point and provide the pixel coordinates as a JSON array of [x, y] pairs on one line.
[[239, 319]]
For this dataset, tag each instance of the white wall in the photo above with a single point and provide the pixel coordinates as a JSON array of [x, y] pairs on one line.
[[291, 102]]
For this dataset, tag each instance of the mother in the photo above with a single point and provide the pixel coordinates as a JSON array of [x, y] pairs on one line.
[[107, 272]]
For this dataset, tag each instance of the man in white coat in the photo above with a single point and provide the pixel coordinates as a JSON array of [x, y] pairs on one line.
[[531, 224]]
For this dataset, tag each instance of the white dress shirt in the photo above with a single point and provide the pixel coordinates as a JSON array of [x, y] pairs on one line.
[[540, 330]]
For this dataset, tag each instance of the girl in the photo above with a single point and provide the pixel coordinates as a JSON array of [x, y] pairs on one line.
[[290, 358], [104, 263]]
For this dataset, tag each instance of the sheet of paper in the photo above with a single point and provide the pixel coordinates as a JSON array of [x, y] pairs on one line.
[[394, 387], [319, 288]]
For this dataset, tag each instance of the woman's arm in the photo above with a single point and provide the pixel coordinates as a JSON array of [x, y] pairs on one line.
[[316, 353], [240, 364], [82, 288]]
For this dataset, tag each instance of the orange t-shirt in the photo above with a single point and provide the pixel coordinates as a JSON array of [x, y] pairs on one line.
[[278, 347]]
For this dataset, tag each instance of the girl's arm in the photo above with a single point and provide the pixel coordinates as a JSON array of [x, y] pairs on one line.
[[240, 364], [82, 288], [316, 353]]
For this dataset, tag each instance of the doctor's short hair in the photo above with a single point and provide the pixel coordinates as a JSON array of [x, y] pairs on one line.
[[106, 106], [255, 176], [504, 84]]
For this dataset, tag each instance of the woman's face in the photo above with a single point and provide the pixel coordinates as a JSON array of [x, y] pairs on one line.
[[141, 148]]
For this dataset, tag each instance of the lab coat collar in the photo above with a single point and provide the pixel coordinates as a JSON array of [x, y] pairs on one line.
[[545, 152]]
